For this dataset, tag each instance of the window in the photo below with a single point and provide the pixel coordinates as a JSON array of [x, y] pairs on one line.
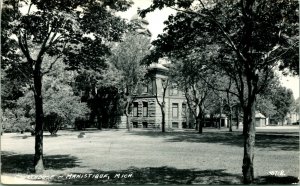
[[175, 110], [183, 112], [135, 124], [145, 88], [145, 109], [174, 90], [135, 109], [145, 125], [174, 124]]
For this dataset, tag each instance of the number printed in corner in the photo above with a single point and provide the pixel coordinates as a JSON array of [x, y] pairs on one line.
[[277, 173]]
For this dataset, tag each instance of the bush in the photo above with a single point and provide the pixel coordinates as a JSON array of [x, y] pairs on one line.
[[13, 120], [53, 122]]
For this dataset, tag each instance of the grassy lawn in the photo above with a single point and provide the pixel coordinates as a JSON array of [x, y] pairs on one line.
[[150, 157]]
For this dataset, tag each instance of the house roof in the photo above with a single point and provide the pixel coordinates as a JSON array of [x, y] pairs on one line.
[[157, 66], [136, 17], [222, 116], [259, 115]]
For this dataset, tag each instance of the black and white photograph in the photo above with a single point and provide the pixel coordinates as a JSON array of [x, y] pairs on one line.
[[139, 92]]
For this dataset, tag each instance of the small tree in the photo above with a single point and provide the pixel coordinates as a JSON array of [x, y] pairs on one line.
[[53, 122]]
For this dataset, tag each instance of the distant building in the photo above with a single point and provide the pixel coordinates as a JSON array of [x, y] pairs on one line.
[[146, 112], [292, 117], [223, 119], [260, 120]]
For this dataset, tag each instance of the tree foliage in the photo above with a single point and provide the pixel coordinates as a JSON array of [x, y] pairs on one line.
[[283, 101], [60, 102]]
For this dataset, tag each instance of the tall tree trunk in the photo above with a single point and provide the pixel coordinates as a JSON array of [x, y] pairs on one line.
[[127, 113], [163, 122], [199, 121], [39, 119], [99, 120], [237, 118], [220, 121], [230, 109], [197, 127], [127, 120], [230, 119], [249, 142]]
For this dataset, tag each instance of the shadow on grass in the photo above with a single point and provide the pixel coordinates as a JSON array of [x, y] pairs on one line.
[[163, 175], [277, 180], [23, 163], [272, 141], [25, 136], [151, 175]]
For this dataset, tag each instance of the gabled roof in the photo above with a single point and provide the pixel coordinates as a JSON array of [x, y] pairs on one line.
[[157, 66], [259, 115], [218, 115]]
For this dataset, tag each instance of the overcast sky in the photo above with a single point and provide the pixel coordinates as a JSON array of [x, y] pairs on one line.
[[155, 18]]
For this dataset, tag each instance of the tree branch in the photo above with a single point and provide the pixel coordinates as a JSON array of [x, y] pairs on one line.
[[279, 56], [227, 37], [43, 47], [58, 56], [189, 102], [156, 93], [214, 87], [24, 49]]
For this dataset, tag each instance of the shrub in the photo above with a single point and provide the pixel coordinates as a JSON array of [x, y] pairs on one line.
[[53, 122]]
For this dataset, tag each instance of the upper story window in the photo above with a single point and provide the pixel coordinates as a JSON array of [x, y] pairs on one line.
[[173, 90], [145, 88]]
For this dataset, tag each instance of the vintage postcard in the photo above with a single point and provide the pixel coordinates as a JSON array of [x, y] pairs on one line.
[[149, 92]]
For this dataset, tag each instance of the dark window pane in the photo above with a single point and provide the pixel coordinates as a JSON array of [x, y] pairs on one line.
[[145, 125], [174, 124]]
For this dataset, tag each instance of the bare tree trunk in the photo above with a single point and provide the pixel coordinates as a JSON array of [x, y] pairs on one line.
[[39, 120], [162, 104], [198, 123], [199, 120], [163, 122], [249, 143], [99, 120], [230, 119], [128, 122], [237, 118], [127, 114], [220, 120]]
